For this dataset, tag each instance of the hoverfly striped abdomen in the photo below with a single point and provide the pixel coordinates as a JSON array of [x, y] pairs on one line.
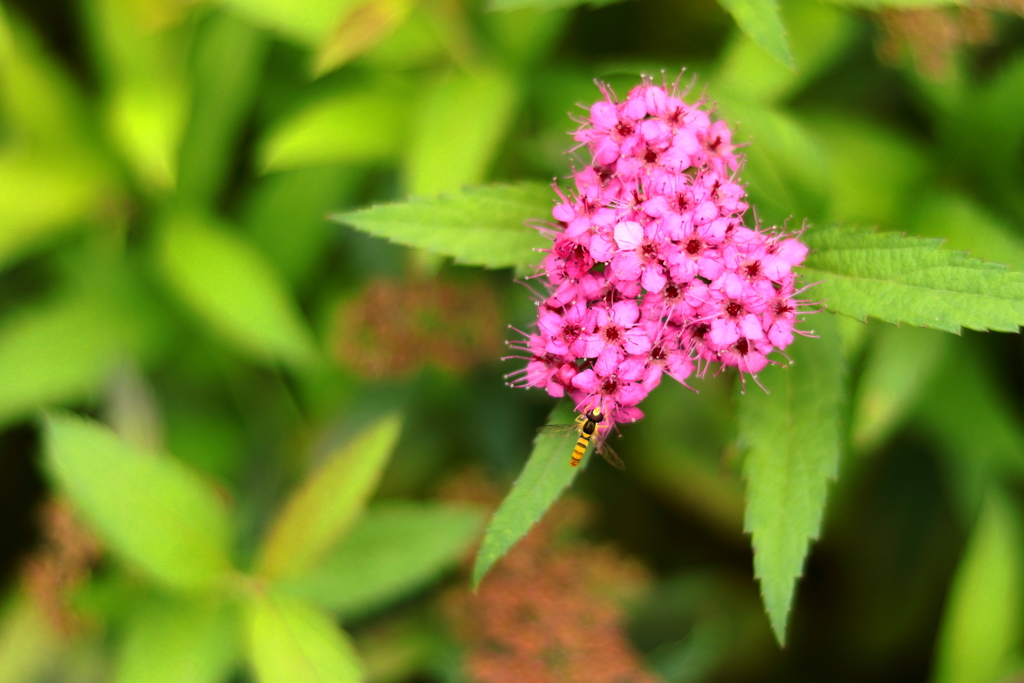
[[586, 426]]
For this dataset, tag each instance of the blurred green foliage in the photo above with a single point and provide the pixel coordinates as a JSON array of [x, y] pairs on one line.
[[254, 499]]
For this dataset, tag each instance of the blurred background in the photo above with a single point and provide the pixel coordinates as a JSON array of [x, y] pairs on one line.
[[166, 267]]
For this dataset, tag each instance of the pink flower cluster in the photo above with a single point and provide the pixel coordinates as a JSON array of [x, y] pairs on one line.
[[652, 270]]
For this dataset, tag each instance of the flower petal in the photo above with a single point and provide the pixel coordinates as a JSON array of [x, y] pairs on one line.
[[629, 235]]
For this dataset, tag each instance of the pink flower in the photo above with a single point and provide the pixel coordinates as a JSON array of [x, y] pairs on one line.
[[676, 302], [564, 332], [747, 355], [612, 383], [717, 142], [781, 257], [652, 269], [639, 255], [614, 328], [667, 355], [779, 319]]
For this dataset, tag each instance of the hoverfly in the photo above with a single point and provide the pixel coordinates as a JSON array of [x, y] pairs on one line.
[[586, 426]]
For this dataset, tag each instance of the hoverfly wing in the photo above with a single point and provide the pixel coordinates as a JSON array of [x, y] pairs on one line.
[[558, 430], [609, 454]]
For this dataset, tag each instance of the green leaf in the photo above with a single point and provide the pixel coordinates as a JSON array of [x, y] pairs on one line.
[[909, 279], [543, 5], [147, 105], [395, 549], [169, 641], [683, 436], [968, 116], [227, 65], [30, 646], [819, 35], [785, 170], [980, 114], [967, 226], [64, 350], [897, 369], [45, 194], [527, 38], [363, 27], [760, 20], [132, 410], [232, 286], [207, 439], [481, 227], [546, 474], [308, 23], [983, 621], [853, 334], [876, 172], [329, 501], [152, 510], [462, 121], [53, 176], [967, 416], [38, 99], [792, 436], [285, 216], [292, 642], [351, 127], [702, 617], [413, 44], [897, 4]]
